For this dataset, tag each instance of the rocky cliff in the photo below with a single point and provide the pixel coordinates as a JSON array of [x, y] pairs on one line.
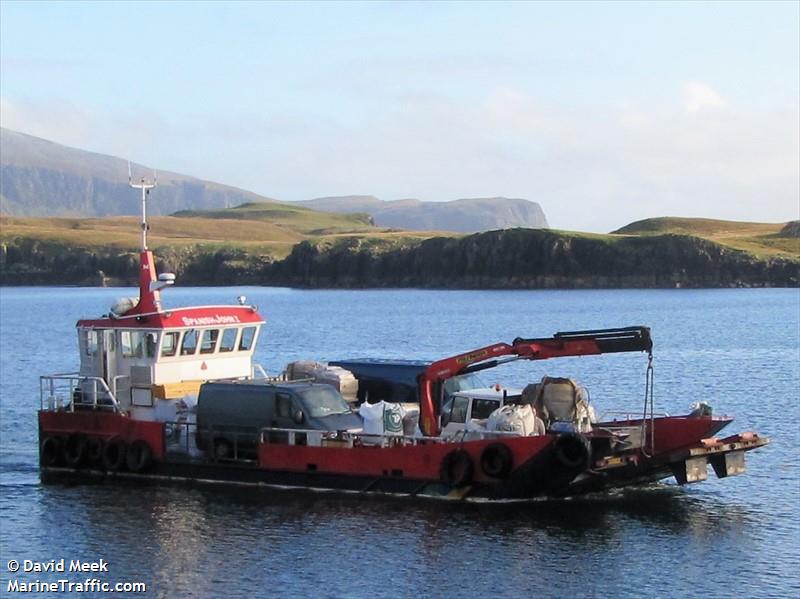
[[509, 259], [469, 215]]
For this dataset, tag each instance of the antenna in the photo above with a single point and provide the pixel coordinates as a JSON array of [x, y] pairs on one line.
[[145, 186]]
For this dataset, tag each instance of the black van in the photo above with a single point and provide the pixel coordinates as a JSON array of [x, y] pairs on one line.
[[231, 414]]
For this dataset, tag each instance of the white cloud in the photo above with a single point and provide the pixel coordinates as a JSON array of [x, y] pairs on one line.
[[699, 96]]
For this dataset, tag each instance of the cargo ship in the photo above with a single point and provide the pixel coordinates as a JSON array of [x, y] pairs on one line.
[[174, 394]]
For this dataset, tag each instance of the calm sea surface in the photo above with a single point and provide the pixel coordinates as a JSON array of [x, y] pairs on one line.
[[737, 349]]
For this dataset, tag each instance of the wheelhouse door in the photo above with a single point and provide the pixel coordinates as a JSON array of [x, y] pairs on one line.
[[108, 355]]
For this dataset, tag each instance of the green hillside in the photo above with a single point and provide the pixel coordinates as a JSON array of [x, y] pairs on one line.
[[296, 218], [286, 249], [267, 228], [760, 239]]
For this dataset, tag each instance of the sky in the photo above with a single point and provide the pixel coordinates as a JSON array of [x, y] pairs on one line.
[[604, 113]]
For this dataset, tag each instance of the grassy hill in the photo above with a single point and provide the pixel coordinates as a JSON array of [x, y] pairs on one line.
[[269, 228], [759, 239], [288, 216], [270, 243]]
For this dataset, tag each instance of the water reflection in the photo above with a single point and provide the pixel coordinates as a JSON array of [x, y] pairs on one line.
[[196, 540]]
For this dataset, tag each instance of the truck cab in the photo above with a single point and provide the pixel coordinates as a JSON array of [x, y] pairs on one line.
[[464, 407]]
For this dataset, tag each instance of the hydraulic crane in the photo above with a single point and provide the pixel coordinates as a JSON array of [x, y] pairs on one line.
[[573, 343]]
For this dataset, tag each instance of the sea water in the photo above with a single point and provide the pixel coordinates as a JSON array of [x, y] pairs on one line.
[[738, 350]]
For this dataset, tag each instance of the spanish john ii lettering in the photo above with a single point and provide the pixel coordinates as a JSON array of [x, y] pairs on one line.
[[207, 320]]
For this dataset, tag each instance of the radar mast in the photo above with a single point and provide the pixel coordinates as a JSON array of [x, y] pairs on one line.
[[145, 186]]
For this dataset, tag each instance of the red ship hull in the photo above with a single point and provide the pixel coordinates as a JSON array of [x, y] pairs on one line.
[[538, 466]]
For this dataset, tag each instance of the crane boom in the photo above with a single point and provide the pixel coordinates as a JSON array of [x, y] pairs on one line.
[[572, 343]]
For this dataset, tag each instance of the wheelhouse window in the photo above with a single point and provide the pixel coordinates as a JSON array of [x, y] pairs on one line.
[[90, 343], [248, 336], [131, 343], [189, 344], [208, 342], [169, 344], [228, 341], [150, 344]]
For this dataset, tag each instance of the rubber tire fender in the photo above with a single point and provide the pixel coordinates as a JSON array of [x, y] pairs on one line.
[[139, 456], [497, 460], [573, 450], [75, 450], [50, 451], [95, 446], [456, 469], [114, 454], [222, 448]]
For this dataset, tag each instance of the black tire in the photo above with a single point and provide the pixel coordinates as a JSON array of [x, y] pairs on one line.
[[573, 451], [497, 460], [139, 456], [75, 450], [223, 450], [115, 454], [457, 469], [94, 450], [50, 451]]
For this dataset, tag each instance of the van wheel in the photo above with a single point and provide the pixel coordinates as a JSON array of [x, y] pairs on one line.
[[223, 450]]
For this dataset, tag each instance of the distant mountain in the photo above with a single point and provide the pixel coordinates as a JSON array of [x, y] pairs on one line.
[[42, 178], [463, 216]]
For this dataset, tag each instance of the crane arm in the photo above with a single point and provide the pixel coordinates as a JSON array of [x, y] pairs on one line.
[[572, 343]]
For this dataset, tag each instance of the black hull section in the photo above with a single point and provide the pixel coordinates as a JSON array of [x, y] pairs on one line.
[[539, 477]]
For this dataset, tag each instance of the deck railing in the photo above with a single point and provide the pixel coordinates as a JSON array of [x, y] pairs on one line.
[[623, 416], [71, 390], [242, 445]]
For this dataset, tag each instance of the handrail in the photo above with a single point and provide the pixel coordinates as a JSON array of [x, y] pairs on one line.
[[347, 435], [48, 383], [628, 416], [244, 443], [115, 379], [256, 367]]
